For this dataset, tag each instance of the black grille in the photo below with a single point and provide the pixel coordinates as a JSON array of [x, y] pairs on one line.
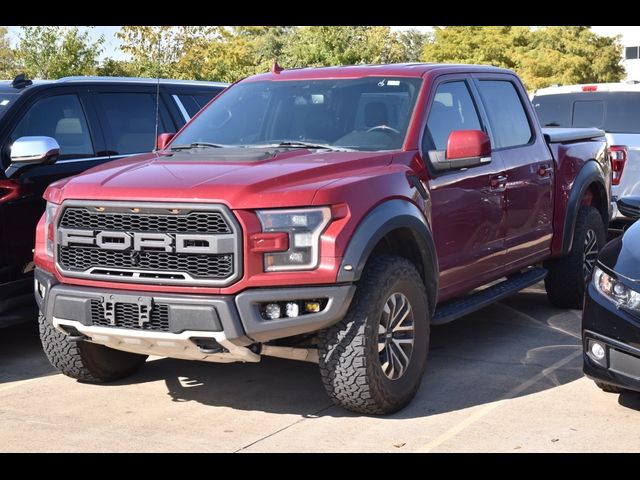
[[79, 259], [127, 317], [196, 222]]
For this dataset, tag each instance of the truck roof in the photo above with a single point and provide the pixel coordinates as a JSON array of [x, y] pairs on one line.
[[631, 86], [392, 69]]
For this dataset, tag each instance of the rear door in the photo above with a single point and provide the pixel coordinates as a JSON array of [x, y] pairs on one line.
[[190, 101], [529, 168]]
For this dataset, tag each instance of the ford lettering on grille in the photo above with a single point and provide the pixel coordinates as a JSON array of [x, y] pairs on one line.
[[151, 243]]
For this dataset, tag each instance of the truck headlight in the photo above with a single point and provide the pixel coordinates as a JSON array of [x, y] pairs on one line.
[[304, 227], [49, 217], [616, 291]]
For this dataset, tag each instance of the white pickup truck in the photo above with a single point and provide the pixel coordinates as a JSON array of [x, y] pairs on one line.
[[612, 107]]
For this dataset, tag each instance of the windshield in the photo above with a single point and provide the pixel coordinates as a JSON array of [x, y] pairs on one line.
[[6, 99], [369, 113], [614, 112]]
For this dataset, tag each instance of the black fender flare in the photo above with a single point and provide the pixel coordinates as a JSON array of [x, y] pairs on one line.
[[590, 173], [383, 219]]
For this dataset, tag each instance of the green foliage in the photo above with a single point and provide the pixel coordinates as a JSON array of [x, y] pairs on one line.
[[54, 52], [115, 68], [541, 56], [8, 66]]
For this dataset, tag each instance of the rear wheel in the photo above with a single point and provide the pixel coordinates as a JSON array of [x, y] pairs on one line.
[[373, 360], [86, 361], [567, 278]]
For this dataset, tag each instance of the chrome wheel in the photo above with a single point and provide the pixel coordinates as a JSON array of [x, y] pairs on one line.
[[590, 253], [395, 336]]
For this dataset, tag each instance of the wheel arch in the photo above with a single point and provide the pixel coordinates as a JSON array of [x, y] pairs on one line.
[[588, 189], [394, 227]]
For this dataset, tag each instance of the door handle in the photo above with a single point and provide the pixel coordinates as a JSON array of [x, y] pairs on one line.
[[498, 182], [544, 170]]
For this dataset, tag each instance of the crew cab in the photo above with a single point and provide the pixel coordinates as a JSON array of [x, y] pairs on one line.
[[87, 121], [323, 214]]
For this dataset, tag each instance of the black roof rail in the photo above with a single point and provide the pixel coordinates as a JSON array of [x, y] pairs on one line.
[[21, 81]]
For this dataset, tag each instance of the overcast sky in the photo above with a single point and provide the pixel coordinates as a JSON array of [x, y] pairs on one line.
[[631, 35]]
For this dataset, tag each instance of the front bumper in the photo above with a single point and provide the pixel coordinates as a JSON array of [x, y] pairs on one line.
[[619, 333], [199, 327]]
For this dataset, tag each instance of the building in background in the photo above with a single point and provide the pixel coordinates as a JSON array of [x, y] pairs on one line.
[[630, 39]]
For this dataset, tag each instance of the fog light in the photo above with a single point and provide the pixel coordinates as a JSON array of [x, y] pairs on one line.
[[312, 307], [272, 311], [292, 309], [597, 350]]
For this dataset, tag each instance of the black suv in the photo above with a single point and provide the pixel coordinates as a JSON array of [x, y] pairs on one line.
[[54, 129]]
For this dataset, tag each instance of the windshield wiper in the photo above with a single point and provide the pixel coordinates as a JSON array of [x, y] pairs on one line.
[[298, 144], [196, 145]]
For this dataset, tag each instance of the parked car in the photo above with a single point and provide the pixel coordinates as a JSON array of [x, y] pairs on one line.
[[611, 315], [612, 107], [89, 121], [322, 214]]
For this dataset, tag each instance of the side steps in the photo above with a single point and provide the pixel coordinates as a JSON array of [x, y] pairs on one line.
[[459, 307]]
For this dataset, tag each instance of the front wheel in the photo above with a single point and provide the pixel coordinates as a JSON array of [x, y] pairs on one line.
[[373, 360], [567, 278]]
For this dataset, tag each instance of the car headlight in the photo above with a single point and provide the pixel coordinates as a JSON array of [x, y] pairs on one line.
[[615, 290], [49, 217], [304, 227]]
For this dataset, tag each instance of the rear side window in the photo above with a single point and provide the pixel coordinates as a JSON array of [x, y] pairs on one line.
[[131, 120], [508, 119], [189, 103], [204, 98], [615, 112], [452, 109], [62, 118]]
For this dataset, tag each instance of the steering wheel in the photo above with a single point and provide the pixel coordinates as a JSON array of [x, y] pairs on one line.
[[383, 128]]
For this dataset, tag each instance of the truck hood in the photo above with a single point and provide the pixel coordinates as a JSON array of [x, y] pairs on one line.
[[239, 178]]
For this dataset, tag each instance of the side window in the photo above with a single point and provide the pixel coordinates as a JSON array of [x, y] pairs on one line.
[[189, 104], [452, 109], [204, 98], [506, 113], [131, 120], [62, 118]]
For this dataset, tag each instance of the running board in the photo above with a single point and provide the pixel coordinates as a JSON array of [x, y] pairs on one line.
[[459, 307]]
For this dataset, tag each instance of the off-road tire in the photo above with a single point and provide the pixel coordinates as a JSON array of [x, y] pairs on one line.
[[85, 361], [350, 364], [565, 282], [607, 387]]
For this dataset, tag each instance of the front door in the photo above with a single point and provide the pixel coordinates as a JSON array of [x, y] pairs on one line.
[[467, 204]]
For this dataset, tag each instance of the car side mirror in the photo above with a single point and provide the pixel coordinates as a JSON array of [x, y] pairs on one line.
[[629, 206], [163, 140], [27, 152], [465, 148]]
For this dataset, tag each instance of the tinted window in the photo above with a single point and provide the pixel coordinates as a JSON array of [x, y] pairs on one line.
[[6, 99], [588, 114], [370, 113], [131, 120], [204, 98], [506, 113], [189, 104], [631, 53], [621, 110], [452, 109], [62, 118]]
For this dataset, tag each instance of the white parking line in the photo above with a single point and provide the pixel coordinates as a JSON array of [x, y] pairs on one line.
[[484, 411]]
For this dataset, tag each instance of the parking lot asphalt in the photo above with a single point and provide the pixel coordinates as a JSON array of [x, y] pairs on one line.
[[505, 379]]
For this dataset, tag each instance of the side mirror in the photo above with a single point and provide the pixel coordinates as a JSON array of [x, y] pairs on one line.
[[163, 140], [629, 206], [30, 151], [465, 148]]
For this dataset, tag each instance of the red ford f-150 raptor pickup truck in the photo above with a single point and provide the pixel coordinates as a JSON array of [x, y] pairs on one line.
[[322, 214]]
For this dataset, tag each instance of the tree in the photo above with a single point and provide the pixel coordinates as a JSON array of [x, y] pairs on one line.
[[413, 43], [115, 68], [541, 56], [54, 52], [8, 66]]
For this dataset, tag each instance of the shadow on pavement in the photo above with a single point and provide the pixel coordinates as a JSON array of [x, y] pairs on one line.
[[479, 359], [21, 354]]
